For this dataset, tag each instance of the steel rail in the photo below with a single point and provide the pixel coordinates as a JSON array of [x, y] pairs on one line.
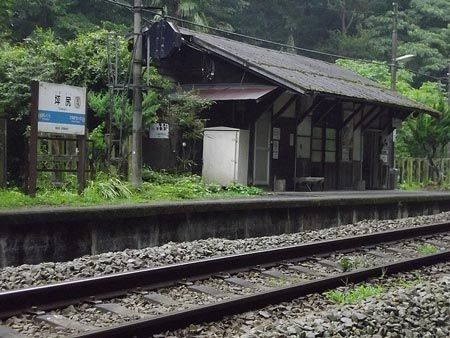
[[216, 311], [72, 292]]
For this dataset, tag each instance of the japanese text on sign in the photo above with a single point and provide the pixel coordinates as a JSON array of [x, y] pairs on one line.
[[61, 109]]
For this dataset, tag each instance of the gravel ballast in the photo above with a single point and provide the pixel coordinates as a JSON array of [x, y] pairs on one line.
[[414, 304], [417, 307], [89, 266]]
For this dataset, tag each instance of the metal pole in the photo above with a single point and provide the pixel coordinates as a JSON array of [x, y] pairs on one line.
[[394, 49], [136, 148]]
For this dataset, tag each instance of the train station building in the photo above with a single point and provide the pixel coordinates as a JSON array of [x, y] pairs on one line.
[[303, 123]]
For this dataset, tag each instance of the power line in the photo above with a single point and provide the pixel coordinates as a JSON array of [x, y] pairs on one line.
[[259, 39], [278, 44], [336, 9]]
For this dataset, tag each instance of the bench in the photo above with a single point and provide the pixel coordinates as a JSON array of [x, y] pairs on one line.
[[310, 181]]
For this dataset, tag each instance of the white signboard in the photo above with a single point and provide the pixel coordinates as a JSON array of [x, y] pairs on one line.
[[61, 109], [276, 133], [159, 131], [276, 150]]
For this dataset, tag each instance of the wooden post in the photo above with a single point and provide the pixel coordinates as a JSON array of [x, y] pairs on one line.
[[3, 151], [81, 169], [33, 141]]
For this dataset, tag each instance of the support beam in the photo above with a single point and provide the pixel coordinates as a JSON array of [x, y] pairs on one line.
[[389, 128], [364, 117], [327, 112], [373, 118], [284, 108], [356, 112], [317, 102], [386, 126], [262, 107]]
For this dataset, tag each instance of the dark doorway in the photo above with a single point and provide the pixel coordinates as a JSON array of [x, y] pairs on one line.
[[283, 160], [371, 163]]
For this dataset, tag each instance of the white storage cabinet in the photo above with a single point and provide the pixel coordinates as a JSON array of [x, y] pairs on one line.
[[225, 155]]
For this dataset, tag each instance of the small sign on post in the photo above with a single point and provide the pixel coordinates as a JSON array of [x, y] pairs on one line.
[[57, 109], [159, 131]]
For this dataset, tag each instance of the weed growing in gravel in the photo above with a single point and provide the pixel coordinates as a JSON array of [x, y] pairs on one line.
[[354, 295], [427, 249], [348, 264], [406, 284], [275, 282]]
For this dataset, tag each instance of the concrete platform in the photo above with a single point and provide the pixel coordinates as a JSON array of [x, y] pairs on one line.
[[59, 234]]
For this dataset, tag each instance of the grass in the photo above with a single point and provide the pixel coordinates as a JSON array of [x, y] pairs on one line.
[[427, 249], [354, 295], [109, 189]]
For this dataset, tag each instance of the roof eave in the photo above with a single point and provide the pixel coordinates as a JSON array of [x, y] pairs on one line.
[[248, 65], [288, 84]]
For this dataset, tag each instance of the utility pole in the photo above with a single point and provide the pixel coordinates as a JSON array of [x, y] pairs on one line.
[[136, 147], [394, 49]]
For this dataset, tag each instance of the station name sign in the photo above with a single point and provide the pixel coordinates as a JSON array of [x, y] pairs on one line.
[[61, 109]]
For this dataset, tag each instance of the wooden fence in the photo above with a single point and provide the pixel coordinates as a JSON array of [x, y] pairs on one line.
[[418, 170]]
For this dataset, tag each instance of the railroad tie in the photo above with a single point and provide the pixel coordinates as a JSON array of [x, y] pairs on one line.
[[6, 332], [64, 322], [379, 254], [118, 310], [243, 283], [208, 290], [400, 252], [306, 271], [329, 264], [159, 299], [274, 273]]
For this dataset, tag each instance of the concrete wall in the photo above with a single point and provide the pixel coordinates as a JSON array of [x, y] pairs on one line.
[[60, 234]]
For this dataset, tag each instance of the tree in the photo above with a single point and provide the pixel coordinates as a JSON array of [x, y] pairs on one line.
[[19, 65], [424, 135], [5, 17], [423, 30], [216, 13]]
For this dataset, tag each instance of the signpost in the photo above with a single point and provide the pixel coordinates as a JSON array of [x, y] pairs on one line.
[[57, 109]]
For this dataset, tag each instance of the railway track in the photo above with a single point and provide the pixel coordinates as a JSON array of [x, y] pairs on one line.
[[143, 302]]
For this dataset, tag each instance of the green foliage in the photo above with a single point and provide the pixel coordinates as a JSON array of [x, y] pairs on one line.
[[427, 249], [184, 112], [67, 18], [98, 137], [19, 65], [163, 185], [410, 186], [83, 60], [5, 16], [109, 188], [354, 295], [216, 13], [348, 264]]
